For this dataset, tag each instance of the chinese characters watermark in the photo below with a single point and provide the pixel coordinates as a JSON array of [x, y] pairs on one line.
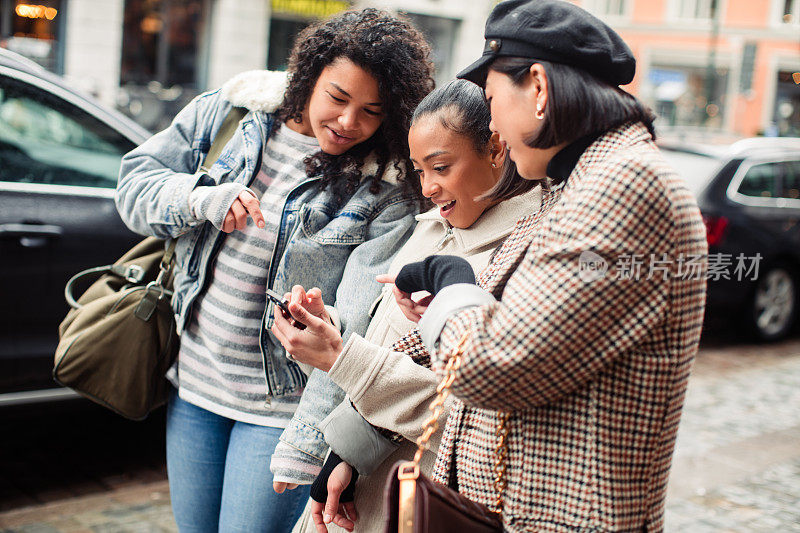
[[714, 267]]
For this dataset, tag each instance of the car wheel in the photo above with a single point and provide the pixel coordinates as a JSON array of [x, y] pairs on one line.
[[773, 305]]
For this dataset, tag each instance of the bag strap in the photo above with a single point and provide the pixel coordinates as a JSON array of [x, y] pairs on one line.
[[165, 266], [500, 465], [134, 273], [409, 471], [224, 134]]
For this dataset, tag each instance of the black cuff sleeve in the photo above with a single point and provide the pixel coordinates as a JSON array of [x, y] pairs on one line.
[[434, 273], [319, 489]]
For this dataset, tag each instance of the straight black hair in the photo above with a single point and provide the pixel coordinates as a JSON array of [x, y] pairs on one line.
[[461, 107], [578, 104]]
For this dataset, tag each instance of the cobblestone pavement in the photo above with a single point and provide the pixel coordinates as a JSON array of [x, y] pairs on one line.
[[737, 459], [736, 467], [140, 509]]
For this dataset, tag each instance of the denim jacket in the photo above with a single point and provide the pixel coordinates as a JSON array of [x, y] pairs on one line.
[[338, 246]]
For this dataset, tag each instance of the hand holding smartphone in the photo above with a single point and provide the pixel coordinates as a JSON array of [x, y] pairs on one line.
[[284, 307]]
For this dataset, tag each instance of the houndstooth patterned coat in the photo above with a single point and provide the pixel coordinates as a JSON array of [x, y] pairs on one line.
[[593, 368]]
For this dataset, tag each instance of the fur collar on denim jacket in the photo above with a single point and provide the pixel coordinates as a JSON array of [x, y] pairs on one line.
[[256, 90]]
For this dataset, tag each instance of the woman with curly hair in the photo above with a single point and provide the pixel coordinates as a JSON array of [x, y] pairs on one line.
[[314, 188]]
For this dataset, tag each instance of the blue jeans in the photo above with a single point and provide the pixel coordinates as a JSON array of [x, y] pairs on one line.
[[219, 477]]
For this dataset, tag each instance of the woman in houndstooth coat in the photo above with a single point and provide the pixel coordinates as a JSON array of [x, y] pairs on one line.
[[584, 327]]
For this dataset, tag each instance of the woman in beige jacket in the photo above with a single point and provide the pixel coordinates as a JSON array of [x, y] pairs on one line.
[[459, 161]]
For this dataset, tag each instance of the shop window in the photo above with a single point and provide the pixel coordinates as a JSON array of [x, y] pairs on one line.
[[290, 17], [786, 114], [609, 8], [282, 33], [441, 33], [33, 29], [161, 58], [695, 9], [160, 41], [687, 96]]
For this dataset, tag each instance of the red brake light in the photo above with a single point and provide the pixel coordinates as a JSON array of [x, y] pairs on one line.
[[715, 229]]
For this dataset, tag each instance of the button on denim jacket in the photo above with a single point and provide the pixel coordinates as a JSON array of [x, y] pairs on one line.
[[338, 246]]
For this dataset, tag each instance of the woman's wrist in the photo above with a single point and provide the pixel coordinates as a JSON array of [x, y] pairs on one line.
[[449, 301], [332, 355], [340, 363]]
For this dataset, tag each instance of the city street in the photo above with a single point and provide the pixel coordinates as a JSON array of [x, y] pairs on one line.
[[736, 468], [737, 461], [121, 119]]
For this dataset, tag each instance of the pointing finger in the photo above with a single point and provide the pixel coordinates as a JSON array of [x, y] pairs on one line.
[[253, 207], [239, 214], [385, 278]]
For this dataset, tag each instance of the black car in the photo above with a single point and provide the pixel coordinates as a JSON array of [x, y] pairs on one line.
[[749, 195], [60, 154]]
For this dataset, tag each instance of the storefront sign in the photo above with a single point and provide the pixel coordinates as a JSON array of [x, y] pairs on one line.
[[310, 8]]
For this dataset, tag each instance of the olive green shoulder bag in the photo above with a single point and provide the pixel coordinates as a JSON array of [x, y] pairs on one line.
[[119, 339]]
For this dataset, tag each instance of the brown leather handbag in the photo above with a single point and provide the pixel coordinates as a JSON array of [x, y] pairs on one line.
[[416, 504]]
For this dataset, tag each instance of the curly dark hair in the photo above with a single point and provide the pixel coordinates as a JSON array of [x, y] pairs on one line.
[[397, 56]]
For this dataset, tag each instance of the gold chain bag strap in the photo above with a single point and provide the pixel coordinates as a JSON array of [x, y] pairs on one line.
[[417, 504]]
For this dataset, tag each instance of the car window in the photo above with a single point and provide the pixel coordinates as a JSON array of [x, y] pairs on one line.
[[44, 139], [790, 187], [761, 181]]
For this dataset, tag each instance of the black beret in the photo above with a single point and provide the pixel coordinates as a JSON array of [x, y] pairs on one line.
[[554, 31]]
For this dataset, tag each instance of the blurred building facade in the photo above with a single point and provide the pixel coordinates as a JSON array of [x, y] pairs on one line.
[[150, 57], [730, 66], [726, 66]]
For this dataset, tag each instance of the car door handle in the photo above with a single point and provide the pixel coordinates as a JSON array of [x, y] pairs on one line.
[[31, 235], [30, 230]]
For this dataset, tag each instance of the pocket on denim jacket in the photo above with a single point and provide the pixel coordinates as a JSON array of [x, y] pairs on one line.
[[188, 250], [347, 228]]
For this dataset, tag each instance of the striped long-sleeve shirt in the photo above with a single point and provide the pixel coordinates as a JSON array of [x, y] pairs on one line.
[[220, 367]]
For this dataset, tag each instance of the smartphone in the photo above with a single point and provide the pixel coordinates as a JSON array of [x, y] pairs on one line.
[[284, 307]]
